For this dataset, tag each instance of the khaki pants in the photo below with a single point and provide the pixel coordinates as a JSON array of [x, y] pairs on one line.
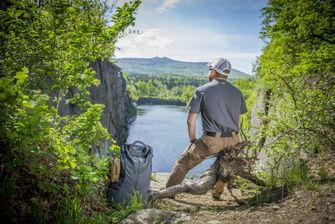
[[195, 153]]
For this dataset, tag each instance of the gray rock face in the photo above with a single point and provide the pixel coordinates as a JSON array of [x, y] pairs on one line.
[[148, 216], [257, 110], [112, 92], [260, 110], [119, 109]]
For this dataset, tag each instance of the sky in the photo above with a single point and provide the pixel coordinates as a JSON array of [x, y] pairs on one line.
[[196, 31]]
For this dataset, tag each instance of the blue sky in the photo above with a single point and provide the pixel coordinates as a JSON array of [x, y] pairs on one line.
[[196, 30]]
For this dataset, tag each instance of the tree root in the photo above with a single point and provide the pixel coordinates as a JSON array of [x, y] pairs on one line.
[[226, 168]]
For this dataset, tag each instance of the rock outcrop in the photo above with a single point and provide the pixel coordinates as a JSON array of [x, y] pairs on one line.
[[151, 215], [119, 109], [112, 92], [259, 112]]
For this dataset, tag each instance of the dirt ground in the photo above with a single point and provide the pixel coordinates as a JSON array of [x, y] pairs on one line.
[[299, 206]]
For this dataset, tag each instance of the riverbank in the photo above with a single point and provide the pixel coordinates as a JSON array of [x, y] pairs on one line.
[[158, 101]]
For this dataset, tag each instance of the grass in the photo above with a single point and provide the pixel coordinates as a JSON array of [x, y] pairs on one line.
[[74, 210], [122, 211], [153, 177], [70, 211]]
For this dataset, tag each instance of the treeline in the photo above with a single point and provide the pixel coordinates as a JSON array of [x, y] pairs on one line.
[[171, 81], [179, 90], [174, 87], [168, 87]]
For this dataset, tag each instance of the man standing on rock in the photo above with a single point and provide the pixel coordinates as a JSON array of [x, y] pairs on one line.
[[221, 105]]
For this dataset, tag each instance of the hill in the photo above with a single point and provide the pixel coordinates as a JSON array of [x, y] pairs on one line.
[[164, 65]]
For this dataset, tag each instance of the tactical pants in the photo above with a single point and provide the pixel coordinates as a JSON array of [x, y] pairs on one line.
[[195, 153]]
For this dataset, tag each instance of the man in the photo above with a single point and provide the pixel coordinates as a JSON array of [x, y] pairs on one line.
[[221, 105]]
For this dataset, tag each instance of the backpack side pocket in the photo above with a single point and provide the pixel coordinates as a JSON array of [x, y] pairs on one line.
[[114, 170]]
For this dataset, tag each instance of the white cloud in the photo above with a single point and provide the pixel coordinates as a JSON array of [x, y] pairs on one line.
[[147, 39], [187, 44], [153, 38], [167, 4]]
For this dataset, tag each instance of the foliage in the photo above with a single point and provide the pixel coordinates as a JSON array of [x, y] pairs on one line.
[[296, 175], [46, 49], [249, 90], [171, 81], [180, 88], [297, 67], [153, 177], [155, 87]]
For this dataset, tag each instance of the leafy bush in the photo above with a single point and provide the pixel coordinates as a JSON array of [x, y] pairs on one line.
[[46, 159], [296, 68]]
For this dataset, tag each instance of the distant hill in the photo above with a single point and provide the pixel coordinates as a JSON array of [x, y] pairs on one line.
[[164, 66]]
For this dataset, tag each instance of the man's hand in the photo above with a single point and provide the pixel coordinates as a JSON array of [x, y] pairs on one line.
[[192, 141], [191, 121]]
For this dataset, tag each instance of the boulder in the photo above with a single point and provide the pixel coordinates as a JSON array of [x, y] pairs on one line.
[[152, 215]]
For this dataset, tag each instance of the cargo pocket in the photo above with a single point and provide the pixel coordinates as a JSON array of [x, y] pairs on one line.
[[210, 142], [192, 156]]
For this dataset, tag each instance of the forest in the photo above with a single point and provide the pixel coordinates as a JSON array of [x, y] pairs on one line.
[[176, 87], [48, 171]]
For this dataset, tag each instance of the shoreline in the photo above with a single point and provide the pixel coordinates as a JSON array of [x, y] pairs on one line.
[[159, 101]]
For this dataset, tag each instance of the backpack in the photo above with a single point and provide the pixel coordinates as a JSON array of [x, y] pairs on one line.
[[135, 172]]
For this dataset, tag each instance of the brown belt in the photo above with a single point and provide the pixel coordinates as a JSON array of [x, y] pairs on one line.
[[223, 134]]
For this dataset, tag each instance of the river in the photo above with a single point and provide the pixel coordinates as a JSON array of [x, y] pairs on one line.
[[164, 128]]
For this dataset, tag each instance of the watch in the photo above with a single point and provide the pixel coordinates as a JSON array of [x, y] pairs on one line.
[[193, 140]]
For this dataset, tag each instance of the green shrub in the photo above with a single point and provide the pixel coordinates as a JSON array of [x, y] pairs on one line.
[[47, 162]]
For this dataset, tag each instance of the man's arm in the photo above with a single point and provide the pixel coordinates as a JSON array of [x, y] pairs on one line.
[[191, 121]]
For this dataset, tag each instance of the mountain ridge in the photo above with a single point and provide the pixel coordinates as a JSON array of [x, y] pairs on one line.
[[168, 66]]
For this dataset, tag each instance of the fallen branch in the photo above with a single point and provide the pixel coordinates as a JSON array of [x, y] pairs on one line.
[[226, 168]]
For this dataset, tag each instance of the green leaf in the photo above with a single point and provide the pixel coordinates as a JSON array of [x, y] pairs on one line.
[[22, 75], [71, 9], [31, 104], [73, 164], [66, 187], [73, 151]]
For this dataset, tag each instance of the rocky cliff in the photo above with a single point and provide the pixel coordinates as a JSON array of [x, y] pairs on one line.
[[259, 111], [119, 110]]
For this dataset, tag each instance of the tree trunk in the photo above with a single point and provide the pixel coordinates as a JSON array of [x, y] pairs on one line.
[[225, 168]]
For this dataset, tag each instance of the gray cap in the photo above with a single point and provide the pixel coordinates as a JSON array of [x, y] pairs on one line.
[[220, 65]]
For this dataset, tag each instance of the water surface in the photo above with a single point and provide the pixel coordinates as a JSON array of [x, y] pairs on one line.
[[164, 128]]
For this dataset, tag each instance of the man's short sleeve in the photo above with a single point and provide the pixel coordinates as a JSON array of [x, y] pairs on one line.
[[195, 102], [243, 106]]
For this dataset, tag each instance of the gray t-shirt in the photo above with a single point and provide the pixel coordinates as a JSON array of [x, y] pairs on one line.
[[220, 104]]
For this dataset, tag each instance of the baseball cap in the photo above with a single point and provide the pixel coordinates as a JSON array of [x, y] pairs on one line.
[[220, 65]]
